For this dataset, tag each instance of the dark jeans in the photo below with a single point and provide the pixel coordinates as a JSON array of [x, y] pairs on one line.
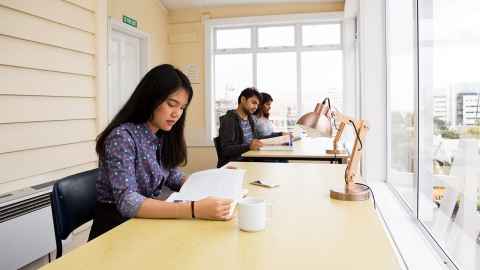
[[106, 218]]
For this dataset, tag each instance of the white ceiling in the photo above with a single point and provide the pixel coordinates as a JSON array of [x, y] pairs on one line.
[[177, 4]]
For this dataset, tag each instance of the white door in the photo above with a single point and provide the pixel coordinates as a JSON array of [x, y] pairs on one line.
[[125, 69]]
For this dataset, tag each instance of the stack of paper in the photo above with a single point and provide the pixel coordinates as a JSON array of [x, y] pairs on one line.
[[221, 183], [280, 140]]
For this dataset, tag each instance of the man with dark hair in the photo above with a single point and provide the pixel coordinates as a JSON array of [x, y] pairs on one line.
[[237, 129]]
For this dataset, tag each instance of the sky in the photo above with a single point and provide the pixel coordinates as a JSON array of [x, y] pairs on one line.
[[449, 50]]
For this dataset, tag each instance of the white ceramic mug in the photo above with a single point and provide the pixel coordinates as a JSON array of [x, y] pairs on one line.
[[252, 214]]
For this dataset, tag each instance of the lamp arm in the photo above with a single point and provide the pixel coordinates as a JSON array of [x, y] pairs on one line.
[[353, 190], [338, 136], [354, 160], [343, 120]]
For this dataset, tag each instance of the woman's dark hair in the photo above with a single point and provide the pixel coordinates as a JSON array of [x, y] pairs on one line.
[[154, 88], [248, 93], [265, 98]]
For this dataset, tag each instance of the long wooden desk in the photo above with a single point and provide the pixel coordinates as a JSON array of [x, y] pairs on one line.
[[307, 230], [304, 149]]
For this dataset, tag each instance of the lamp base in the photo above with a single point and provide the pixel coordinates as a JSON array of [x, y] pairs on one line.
[[335, 152], [351, 192]]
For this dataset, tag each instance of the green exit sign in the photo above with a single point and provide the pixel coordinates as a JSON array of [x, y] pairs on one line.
[[129, 21]]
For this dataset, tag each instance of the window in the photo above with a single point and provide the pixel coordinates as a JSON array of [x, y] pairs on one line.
[[233, 72], [402, 95], [281, 83], [299, 64], [233, 39], [322, 75], [278, 36], [441, 181]]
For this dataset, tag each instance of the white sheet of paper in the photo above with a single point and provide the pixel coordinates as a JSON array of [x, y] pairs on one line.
[[285, 139], [221, 183]]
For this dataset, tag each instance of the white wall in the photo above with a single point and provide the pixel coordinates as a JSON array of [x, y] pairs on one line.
[[373, 87]]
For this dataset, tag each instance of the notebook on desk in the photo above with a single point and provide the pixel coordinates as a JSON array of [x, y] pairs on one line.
[[280, 143], [276, 148], [279, 140]]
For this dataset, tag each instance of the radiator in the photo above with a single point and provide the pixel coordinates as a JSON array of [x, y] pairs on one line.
[[26, 226]]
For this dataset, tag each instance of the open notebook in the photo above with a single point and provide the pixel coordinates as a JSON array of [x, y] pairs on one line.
[[280, 143], [221, 183]]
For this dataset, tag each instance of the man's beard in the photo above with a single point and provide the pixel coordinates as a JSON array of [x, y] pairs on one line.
[[246, 111]]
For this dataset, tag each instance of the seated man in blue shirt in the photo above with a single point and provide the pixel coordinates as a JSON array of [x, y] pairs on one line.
[[237, 129]]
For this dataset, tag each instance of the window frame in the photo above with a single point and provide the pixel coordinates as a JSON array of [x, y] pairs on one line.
[[211, 26], [391, 175]]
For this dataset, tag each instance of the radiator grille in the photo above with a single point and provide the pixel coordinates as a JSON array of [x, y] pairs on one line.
[[24, 207]]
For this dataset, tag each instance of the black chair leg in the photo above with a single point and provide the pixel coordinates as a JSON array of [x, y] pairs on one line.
[[59, 247]]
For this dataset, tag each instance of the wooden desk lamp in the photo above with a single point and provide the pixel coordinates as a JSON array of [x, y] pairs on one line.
[[354, 191], [343, 120]]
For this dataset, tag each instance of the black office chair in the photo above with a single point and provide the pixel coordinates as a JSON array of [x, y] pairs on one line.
[[73, 204], [218, 148]]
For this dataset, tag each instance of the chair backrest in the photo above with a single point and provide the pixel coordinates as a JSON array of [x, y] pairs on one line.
[[73, 204], [218, 149]]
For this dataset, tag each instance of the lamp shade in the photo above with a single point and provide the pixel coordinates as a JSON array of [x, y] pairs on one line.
[[317, 120]]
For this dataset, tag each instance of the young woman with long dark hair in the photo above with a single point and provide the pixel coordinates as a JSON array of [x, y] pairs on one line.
[[139, 152], [263, 125]]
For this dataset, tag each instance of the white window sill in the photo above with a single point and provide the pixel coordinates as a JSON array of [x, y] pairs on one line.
[[414, 247]]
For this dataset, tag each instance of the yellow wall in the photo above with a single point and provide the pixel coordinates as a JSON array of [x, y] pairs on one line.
[[186, 44], [48, 99], [152, 19]]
